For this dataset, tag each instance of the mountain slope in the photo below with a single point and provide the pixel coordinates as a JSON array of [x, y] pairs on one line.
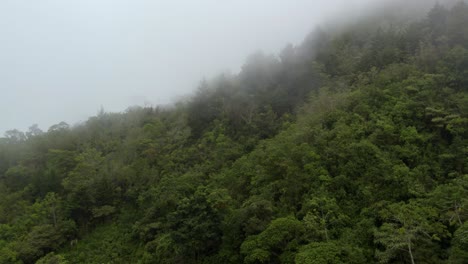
[[350, 148]]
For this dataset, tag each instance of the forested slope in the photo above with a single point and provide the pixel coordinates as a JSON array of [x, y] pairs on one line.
[[350, 148]]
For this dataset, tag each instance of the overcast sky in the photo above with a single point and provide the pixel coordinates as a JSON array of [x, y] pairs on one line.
[[61, 60]]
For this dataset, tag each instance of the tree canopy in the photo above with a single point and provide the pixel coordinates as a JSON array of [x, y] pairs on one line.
[[349, 148]]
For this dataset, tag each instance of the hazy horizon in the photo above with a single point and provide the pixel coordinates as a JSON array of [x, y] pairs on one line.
[[64, 60]]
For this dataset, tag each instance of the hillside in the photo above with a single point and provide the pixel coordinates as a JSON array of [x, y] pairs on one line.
[[349, 148]]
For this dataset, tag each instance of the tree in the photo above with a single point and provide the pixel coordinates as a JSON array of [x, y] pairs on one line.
[[406, 228], [329, 252], [451, 199], [275, 244], [82, 184], [52, 258], [437, 18], [323, 214], [34, 131], [458, 252], [59, 127], [15, 136], [195, 226], [456, 24]]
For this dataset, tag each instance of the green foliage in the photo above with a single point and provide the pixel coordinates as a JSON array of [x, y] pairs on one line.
[[458, 253], [349, 148], [331, 252], [405, 227], [276, 243], [52, 258], [106, 244]]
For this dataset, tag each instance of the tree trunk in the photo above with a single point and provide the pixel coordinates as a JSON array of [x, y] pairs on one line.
[[457, 208], [410, 251]]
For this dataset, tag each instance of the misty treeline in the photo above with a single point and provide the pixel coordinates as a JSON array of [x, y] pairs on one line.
[[350, 148]]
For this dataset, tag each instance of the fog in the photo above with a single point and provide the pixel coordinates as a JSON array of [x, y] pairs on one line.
[[64, 60]]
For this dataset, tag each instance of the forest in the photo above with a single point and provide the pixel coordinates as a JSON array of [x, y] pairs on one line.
[[348, 148]]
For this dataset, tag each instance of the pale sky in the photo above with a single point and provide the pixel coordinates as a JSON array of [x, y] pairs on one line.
[[61, 60]]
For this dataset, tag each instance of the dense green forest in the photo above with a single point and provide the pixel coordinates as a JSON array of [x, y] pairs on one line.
[[349, 148]]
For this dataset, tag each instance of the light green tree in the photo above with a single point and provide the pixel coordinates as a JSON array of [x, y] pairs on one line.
[[405, 226]]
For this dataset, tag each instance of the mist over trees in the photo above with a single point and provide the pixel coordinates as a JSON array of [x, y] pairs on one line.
[[349, 148]]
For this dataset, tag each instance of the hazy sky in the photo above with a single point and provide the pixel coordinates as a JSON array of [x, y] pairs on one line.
[[61, 60]]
